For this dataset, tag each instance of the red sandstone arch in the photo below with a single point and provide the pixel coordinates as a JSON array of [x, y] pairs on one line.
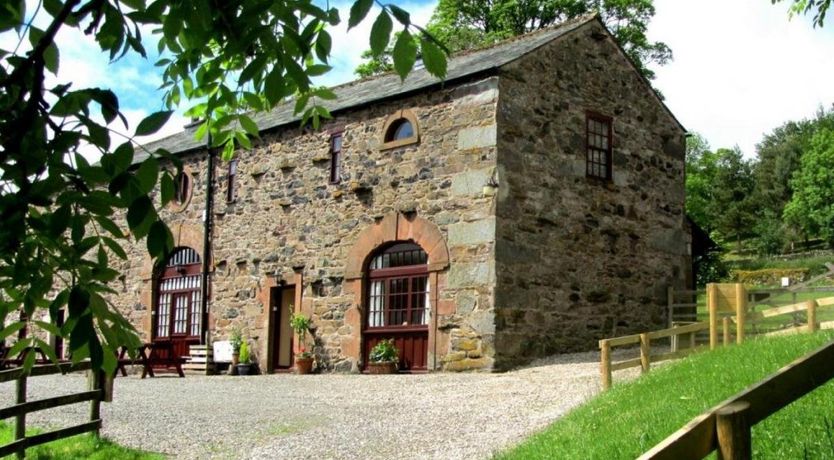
[[397, 227]]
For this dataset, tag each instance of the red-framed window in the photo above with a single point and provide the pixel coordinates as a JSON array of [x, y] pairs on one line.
[[231, 181], [398, 287], [177, 310], [336, 158], [599, 134]]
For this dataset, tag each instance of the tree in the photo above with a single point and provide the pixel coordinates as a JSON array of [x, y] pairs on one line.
[[701, 168], [779, 155], [60, 213], [817, 7], [812, 205], [732, 206], [467, 24]]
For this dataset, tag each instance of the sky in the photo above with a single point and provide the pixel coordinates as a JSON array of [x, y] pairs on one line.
[[741, 68]]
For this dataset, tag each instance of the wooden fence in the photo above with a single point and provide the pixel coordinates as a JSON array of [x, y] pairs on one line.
[[100, 389], [726, 427], [729, 321]]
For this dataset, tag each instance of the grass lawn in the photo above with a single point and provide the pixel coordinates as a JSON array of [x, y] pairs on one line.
[[632, 417], [82, 446]]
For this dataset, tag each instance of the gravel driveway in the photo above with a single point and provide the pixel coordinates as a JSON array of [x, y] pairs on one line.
[[446, 416]]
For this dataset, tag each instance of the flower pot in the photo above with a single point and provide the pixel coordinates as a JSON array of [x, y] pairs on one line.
[[243, 369], [303, 365], [388, 367], [233, 366]]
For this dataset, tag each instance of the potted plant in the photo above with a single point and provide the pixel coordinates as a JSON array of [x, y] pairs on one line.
[[245, 364], [300, 324], [236, 339], [384, 358]]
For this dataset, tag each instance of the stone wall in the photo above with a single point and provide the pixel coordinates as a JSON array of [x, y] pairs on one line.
[[288, 223], [579, 259]]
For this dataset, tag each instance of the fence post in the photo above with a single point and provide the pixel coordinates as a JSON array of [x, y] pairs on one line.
[[645, 353], [812, 316], [20, 419], [712, 304], [741, 311], [726, 327], [605, 363], [733, 429], [670, 300], [94, 380]]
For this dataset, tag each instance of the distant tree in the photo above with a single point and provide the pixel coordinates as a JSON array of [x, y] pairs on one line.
[[732, 203], [812, 204], [701, 168], [779, 155], [816, 7], [468, 24]]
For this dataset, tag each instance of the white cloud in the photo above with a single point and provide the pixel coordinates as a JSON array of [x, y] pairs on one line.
[[741, 68]]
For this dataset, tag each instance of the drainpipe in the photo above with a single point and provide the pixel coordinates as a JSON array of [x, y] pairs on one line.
[[207, 237]]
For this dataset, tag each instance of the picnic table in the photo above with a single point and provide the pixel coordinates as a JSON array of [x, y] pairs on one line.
[[151, 355]]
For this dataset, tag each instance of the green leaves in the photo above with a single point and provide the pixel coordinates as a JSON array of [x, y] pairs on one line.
[[433, 57], [358, 12], [153, 122], [405, 54], [381, 33]]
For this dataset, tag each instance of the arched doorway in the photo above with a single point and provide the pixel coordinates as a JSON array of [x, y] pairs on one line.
[[177, 314], [398, 304]]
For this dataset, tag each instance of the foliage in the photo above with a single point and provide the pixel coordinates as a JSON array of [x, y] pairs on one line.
[[468, 24], [60, 212], [700, 174], [812, 204], [733, 188], [817, 7], [300, 324], [637, 415], [769, 276], [236, 340], [710, 268], [84, 446], [244, 357], [384, 352]]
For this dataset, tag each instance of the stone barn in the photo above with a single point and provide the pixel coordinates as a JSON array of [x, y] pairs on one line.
[[529, 204]]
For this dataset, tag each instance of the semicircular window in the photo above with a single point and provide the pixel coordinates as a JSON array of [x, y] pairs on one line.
[[400, 129]]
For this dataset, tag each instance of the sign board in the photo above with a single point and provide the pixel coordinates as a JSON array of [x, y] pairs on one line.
[[222, 351], [786, 281], [725, 297]]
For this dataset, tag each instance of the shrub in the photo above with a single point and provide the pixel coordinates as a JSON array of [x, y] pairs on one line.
[[244, 352], [384, 352]]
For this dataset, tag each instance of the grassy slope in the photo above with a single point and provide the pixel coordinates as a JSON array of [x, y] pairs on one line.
[[633, 417], [82, 446]]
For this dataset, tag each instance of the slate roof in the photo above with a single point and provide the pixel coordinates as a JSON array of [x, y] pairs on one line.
[[369, 90]]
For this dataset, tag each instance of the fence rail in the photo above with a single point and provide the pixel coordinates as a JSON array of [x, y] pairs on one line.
[[100, 389], [726, 427]]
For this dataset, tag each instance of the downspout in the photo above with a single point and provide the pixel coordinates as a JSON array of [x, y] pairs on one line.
[[207, 221]]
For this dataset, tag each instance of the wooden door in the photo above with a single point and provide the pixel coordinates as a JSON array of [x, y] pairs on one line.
[[281, 299], [397, 305], [178, 320]]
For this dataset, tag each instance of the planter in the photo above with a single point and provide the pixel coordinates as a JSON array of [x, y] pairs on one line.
[[389, 367], [303, 365], [243, 369], [233, 366]]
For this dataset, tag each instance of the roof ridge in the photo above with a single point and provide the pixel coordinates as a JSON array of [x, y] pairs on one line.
[[503, 42]]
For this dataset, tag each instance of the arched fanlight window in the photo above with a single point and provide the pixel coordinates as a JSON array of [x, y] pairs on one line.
[[398, 287], [400, 129]]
